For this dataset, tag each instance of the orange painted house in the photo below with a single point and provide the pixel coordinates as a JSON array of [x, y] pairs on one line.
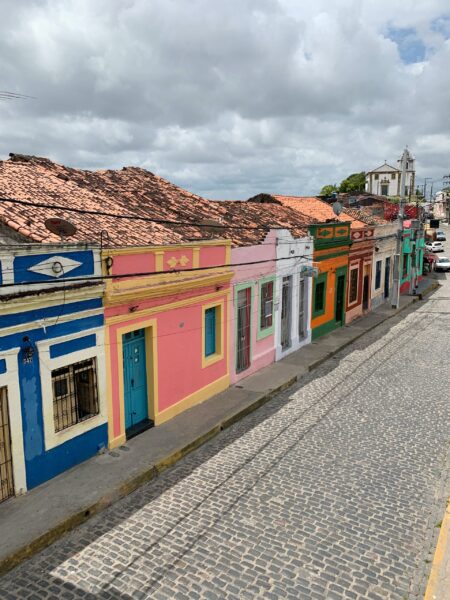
[[331, 251]]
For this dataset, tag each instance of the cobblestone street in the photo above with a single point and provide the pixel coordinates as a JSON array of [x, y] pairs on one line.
[[332, 490]]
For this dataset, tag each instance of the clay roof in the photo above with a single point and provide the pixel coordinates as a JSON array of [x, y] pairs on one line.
[[273, 216], [318, 209], [128, 191], [365, 215]]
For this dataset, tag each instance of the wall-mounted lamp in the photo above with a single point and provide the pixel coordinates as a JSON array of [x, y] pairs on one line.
[[376, 248], [27, 351], [109, 261]]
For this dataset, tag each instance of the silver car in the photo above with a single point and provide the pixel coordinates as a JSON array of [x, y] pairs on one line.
[[442, 264]]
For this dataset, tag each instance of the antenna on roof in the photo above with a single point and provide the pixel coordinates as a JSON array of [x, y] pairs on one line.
[[60, 227]]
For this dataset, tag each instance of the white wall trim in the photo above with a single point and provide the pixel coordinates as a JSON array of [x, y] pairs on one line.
[[10, 380], [47, 365], [49, 321]]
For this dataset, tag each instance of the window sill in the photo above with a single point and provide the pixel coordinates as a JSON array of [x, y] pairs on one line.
[[207, 361], [264, 333]]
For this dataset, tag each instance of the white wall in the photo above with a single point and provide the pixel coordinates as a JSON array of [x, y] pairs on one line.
[[288, 249], [386, 242]]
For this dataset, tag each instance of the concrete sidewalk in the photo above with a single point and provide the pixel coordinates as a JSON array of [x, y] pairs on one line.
[[32, 522]]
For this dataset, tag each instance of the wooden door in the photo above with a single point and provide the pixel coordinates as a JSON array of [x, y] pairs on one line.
[[6, 465], [244, 300]]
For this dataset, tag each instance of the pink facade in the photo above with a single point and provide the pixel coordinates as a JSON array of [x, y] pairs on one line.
[[162, 319], [247, 280]]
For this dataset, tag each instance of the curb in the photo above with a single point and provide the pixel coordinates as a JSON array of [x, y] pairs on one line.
[[438, 559], [132, 484], [155, 470]]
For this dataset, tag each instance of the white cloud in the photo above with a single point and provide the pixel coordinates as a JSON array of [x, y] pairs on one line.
[[227, 99]]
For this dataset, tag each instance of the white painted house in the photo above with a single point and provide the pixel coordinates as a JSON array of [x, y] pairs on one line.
[[294, 292]]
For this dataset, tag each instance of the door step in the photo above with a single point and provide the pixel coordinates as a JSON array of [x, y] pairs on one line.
[[135, 430]]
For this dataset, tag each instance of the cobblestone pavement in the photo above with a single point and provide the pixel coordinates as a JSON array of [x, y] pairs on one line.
[[332, 490]]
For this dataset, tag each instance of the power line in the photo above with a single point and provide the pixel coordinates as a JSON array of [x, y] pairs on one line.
[[152, 273], [229, 301], [83, 211]]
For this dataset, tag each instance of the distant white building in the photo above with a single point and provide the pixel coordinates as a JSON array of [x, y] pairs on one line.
[[385, 180]]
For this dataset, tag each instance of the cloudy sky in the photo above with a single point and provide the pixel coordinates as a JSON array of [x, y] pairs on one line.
[[229, 99]]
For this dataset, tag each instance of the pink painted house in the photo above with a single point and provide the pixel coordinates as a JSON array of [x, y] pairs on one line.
[[268, 252], [252, 345], [166, 333]]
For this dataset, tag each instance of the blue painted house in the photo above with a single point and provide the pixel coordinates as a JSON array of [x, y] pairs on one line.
[[53, 412]]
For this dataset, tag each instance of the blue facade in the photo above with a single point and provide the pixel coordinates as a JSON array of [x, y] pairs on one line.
[[47, 333]]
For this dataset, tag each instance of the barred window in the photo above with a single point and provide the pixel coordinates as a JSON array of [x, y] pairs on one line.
[[319, 297], [353, 285], [378, 274], [266, 315], [405, 265], [75, 393]]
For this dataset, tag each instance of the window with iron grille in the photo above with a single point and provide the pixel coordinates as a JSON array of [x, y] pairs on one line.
[[353, 285], [75, 393], [319, 296], [378, 275], [405, 265], [266, 305]]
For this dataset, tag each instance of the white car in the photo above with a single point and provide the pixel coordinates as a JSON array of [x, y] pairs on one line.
[[442, 264], [435, 246]]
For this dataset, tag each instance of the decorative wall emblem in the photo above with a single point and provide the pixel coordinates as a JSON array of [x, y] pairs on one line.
[[342, 232], [173, 261], [55, 266], [324, 233]]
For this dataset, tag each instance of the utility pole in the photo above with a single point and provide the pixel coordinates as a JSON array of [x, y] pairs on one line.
[[425, 186], [446, 184], [398, 252]]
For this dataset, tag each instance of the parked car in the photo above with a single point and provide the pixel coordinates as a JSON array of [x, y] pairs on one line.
[[442, 264], [440, 235], [435, 246]]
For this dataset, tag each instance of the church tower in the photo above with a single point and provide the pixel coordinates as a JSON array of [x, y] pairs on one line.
[[410, 176]]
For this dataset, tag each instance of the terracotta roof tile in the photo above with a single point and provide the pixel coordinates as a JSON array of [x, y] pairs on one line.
[[318, 209], [365, 216], [131, 191], [270, 216], [309, 207]]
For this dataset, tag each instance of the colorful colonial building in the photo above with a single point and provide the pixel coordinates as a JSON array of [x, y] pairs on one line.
[[167, 310], [359, 271], [385, 249], [53, 408], [331, 236], [411, 260], [272, 262], [331, 252], [294, 292]]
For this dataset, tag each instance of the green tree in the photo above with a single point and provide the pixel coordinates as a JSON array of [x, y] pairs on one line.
[[353, 183], [327, 190]]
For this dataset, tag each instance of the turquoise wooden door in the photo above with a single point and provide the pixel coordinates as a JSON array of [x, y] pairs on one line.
[[135, 378]]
